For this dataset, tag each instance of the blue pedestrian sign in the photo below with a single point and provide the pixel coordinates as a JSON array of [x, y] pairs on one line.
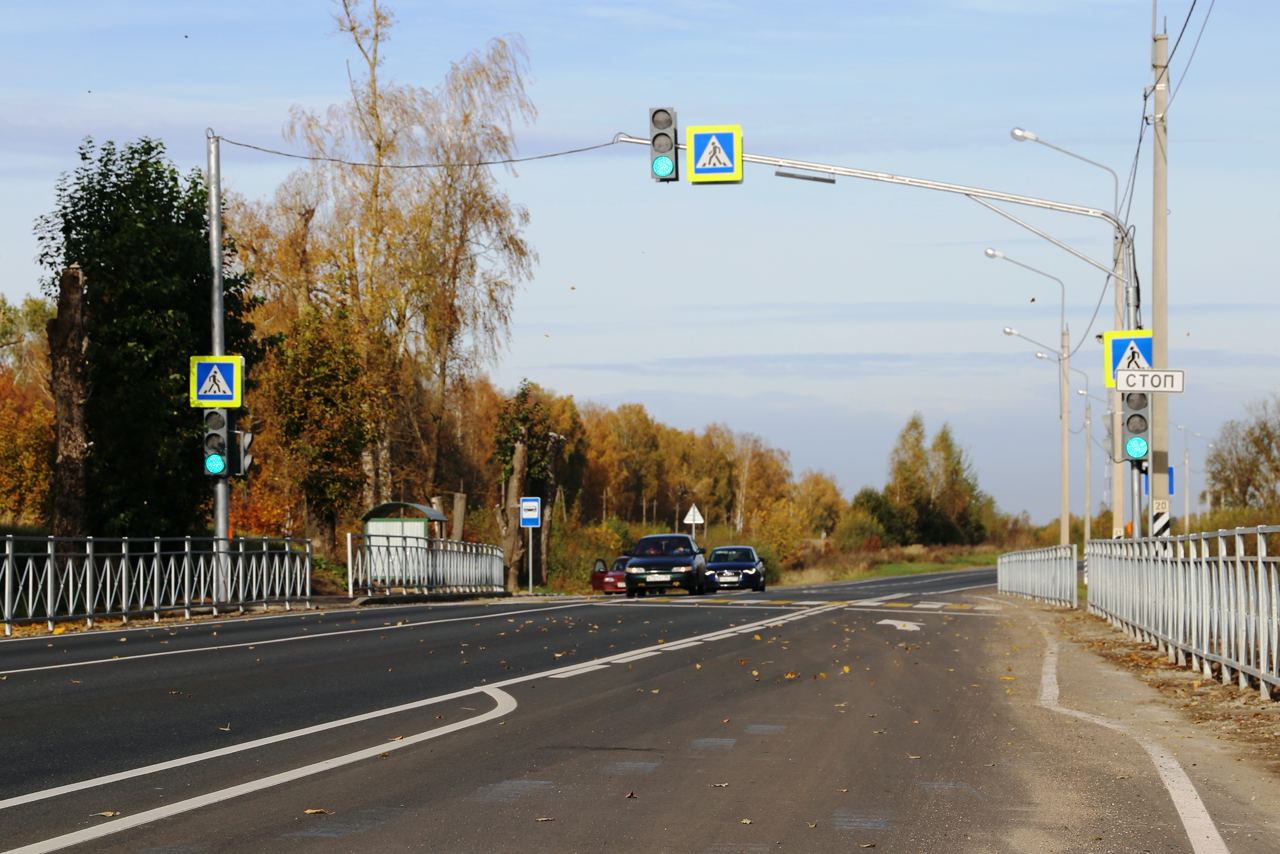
[[715, 153], [217, 382], [1125, 350], [531, 512]]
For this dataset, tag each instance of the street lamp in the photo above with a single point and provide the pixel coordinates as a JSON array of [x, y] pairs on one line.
[[1119, 319], [1023, 135], [1064, 407], [1088, 450]]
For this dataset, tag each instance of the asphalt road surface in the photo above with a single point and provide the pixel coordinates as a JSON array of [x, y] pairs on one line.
[[883, 713]]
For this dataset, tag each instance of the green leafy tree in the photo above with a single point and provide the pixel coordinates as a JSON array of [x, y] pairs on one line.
[[139, 230]]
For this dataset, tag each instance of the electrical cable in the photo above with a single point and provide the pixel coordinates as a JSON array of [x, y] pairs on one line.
[[1192, 57], [502, 162]]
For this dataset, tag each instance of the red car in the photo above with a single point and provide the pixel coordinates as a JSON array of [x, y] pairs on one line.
[[610, 579]]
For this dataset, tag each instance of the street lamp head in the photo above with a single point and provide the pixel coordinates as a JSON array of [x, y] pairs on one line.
[[992, 253], [1081, 392], [1008, 330], [1040, 355], [1022, 135]]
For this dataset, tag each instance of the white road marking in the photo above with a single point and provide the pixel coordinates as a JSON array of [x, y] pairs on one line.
[[901, 625], [581, 670], [930, 605], [973, 613], [504, 704], [959, 589], [879, 600], [671, 647], [618, 658], [121, 659], [1196, 821]]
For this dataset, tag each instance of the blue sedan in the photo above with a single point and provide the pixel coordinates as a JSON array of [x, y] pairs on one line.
[[737, 566]]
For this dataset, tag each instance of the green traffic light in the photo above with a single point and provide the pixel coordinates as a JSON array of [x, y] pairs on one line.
[[1136, 448], [663, 166], [215, 464]]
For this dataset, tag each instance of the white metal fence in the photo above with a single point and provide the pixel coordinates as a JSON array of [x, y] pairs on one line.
[[384, 563], [1048, 575], [1203, 599], [58, 578]]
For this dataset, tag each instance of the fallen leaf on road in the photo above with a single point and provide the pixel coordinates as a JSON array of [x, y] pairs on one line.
[[226, 728], [742, 662], [822, 674], [726, 720], [841, 705], [108, 813], [755, 637], [317, 811], [697, 667], [880, 731], [655, 690], [124, 640], [632, 795], [59, 630], [755, 673], [75, 681], [866, 845], [1008, 678], [843, 791], [912, 756], [719, 785], [544, 818], [559, 654], [383, 755], [790, 674], [396, 738], [744, 821], [812, 824]]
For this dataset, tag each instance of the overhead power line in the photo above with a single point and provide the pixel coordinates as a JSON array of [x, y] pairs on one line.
[[314, 158]]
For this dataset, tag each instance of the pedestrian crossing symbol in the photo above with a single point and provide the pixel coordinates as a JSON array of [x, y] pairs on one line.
[[1125, 350], [217, 382], [714, 153]]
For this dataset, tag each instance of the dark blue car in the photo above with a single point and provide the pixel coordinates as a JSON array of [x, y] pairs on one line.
[[663, 562], [737, 566]]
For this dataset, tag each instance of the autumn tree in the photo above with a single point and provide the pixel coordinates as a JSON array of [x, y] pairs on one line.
[[819, 502]]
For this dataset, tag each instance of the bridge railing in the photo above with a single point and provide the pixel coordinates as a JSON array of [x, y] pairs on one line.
[[1047, 575], [1203, 599], [53, 579], [385, 563]]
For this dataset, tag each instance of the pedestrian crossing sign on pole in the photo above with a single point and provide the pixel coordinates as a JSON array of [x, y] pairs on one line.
[[1125, 350], [217, 382], [714, 153]]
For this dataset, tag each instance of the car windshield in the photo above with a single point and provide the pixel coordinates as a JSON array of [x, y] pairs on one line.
[[726, 555], [663, 546], [620, 564]]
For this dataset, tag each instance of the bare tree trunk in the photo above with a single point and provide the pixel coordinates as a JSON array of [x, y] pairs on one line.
[[509, 516], [68, 343], [544, 540], [459, 515]]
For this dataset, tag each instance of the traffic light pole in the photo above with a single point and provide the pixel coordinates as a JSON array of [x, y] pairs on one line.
[[221, 486], [982, 196], [1159, 469]]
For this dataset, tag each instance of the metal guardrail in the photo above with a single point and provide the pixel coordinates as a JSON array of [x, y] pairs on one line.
[[1203, 599], [383, 563], [1048, 575], [53, 579]]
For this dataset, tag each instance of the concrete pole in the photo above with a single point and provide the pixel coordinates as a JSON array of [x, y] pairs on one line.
[[1088, 473], [1186, 488], [1064, 412], [1117, 454], [1160, 269]]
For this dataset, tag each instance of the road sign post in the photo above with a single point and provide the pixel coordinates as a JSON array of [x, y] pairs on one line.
[[694, 518], [530, 518]]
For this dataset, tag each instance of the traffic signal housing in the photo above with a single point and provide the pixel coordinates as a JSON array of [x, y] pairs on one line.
[[1135, 424], [243, 440], [664, 157], [217, 429]]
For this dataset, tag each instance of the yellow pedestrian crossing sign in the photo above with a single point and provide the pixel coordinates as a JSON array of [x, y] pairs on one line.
[[714, 153], [1125, 350], [217, 382]]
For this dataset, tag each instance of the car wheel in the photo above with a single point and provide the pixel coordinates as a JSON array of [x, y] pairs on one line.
[[631, 594], [760, 584]]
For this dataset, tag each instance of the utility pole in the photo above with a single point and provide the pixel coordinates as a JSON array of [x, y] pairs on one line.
[[1159, 473], [1117, 453], [1064, 413]]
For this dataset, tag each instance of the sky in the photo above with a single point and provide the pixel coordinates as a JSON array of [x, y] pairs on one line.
[[819, 317]]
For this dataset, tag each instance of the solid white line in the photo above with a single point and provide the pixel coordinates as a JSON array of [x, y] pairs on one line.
[[504, 705], [581, 670], [913, 612], [340, 633], [671, 647], [617, 658], [1196, 821], [878, 600], [958, 589]]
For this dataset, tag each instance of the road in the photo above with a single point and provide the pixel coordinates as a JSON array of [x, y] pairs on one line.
[[894, 713]]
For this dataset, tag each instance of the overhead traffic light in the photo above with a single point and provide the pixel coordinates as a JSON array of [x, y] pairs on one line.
[[1135, 423], [663, 153], [216, 432]]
